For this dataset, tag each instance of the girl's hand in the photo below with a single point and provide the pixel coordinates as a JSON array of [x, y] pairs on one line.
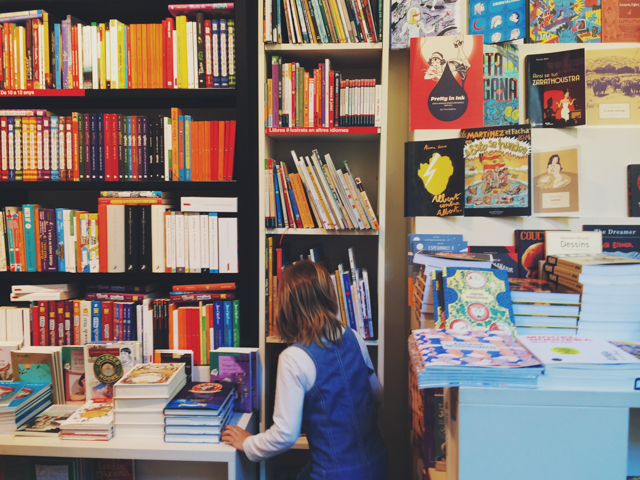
[[234, 436]]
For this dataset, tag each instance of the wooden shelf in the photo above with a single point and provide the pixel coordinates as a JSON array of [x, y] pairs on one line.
[[301, 444], [223, 186], [318, 231], [342, 55], [120, 278], [331, 134]]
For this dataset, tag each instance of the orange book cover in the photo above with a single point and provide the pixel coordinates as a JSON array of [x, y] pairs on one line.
[[134, 55], [143, 54], [201, 147], [221, 146], [182, 328], [204, 287], [138, 55], [74, 57], [155, 54], [103, 261], [172, 309], [194, 151], [159, 66], [214, 150], [175, 165], [74, 139], [131, 201], [207, 151]]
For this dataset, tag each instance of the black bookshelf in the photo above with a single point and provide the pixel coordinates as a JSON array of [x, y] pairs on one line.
[[239, 103]]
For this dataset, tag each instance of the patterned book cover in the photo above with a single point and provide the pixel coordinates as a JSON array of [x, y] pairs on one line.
[[501, 77], [91, 416], [426, 18], [565, 21], [497, 20], [209, 396], [477, 299]]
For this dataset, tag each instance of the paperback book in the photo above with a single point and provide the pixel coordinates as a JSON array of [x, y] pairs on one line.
[[556, 183], [498, 21], [424, 19], [501, 79], [571, 21]]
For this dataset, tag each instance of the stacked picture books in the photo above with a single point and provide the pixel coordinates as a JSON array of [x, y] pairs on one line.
[[40, 365], [105, 363], [92, 421], [446, 358], [191, 52], [540, 309], [141, 395], [38, 145], [199, 412], [321, 98], [609, 285], [318, 195], [48, 423], [322, 21], [127, 234], [20, 402]]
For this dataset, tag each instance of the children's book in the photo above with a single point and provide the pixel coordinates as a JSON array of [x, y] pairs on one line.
[[150, 380], [446, 82], [556, 185], [9, 391], [501, 78], [477, 299], [497, 20], [47, 423], [106, 363], [497, 171], [433, 178], [91, 416], [237, 365], [202, 398], [74, 375], [6, 371], [423, 18], [555, 89], [565, 21]]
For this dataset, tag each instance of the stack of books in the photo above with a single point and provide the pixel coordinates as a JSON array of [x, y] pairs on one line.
[[540, 309], [319, 99], [141, 396], [104, 364], [319, 194], [609, 285], [114, 147], [199, 412], [92, 421], [40, 365], [446, 358], [48, 423], [15, 325], [20, 402], [239, 365], [35, 293]]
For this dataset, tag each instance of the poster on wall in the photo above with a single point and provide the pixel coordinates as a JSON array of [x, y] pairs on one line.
[[446, 82], [555, 183], [426, 18], [501, 79], [566, 21], [498, 20], [497, 170]]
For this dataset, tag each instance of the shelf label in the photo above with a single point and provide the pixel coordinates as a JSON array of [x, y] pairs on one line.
[[42, 93]]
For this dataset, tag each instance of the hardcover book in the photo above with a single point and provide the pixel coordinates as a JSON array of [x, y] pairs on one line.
[[498, 21], [530, 250], [150, 380], [238, 365], [504, 258], [433, 178], [477, 300], [570, 21], [105, 364], [74, 375], [201, 398], [555, 89], [91, 416], [556, 186], [621, 240], [633, 179], [48, 422], [497, 171], [620, 21], [501, 77], [446, 82], [429, 18]]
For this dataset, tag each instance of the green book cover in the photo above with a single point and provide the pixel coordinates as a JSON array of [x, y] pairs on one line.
[[236, 323]]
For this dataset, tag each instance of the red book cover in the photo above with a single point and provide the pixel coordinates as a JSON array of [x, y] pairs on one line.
[[134, 147], [76, 322], [446, 82], [331, 96], [59, 325], [227, 132], [107, 321], [231, 149], [120, 307], [195, 333], [3, 52], [51, 323], [214, 150], [35, 322], [128, 66], [169, 49], [36, 55], [68, 322], [103, 264], [221, 146], [116, 297], [43, 324], [204, 287], [115, 138]]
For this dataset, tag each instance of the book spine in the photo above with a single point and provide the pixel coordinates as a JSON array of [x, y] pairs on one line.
[[236, 323], [218, 312]]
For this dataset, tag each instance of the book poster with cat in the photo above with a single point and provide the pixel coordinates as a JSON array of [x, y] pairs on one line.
[[556, 190]]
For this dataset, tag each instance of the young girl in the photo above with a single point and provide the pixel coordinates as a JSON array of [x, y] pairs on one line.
[[326, 386]]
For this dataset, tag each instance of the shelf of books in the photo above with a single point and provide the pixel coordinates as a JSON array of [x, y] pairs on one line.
[[317, 231]]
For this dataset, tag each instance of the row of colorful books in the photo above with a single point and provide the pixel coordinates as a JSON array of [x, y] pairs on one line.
[[319, 98], [132, 235], [318, 195], [322, 21], [39, 53], [37, 145]]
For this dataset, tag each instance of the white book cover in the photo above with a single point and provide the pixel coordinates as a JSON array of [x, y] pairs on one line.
[[113, 28], [47, 288], [94, 259], [6, 370], [147, 330], [209, 204], [14, 325], [157, 238], [344, 197], [139, 325], [85, 321], [322, 195], [213, 243], [150, 380], [91, 416], [228, 245], [95, 57], [194, 243], [174, 39], [26, 327], [4, 315], [171, 239], [190, 82], [194, 35], [332, 199], [69, 249], [106, 363], [115, 238], [180, 243], [80, 63], [204, 241], [167, 147], [107, 54]]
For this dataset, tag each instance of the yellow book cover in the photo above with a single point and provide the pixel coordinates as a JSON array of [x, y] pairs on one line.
[[47, 72], [343, 314], [335, 13], [181, 32], [122, 67]]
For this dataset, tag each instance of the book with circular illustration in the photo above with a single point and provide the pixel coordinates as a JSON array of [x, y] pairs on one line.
[[209, 397]]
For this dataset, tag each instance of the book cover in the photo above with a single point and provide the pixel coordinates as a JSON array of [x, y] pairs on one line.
[[209, 396], [497, 20], [611, 86], [105, 364], [559, 242], [530, 250], [555, 89], [447, 78], [501, 79], [9, 392], [152, 374], [620, 21], [237, 367], [429, 18], [74, 375], [48, 422], [497, 171], [633, 180], [6, 370], [504, 258], [434, 178], [556, 186], [570, 21], [621, 240], [91, 416], [568, 351]]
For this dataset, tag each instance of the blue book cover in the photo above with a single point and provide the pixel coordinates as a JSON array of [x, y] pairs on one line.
[[201, 398], [224, 59], [32, 409], [277, 193], [11, 125], [218, 316], [228, 323], [620, 240], [215, 32], [294, 204], [9, 392], [350, 312], [27, 393], [188, 148], [60, 235], [96, 321], [477, 299], [181, 171], [497, 20], [501, 75], [58, 72], [30, 237]]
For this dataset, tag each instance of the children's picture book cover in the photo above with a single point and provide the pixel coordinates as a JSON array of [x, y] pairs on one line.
[[203, 396], [48, 422], [105, 364], [498, 20], [497, 162], [423, 18], [530, 250], [478, 299], [237, 367], [433, 178], [29, 392], [152, 374], [620, 240], [565, 21], [6, 371], [612, 86], [556, 191], [633, 181], [501, 77], [561, 350], [620, 21], [446, 82], [504, 258], [74, 376], [91, 416], [556, 89], [8, 392], [632, 348]]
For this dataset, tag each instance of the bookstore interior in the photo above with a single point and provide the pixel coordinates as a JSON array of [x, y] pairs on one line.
[[354, 222]]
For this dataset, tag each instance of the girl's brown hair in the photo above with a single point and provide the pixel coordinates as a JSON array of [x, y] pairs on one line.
[[306, 305]]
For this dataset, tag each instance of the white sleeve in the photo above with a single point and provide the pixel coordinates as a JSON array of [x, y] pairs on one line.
[[296, 376], [376, 386]]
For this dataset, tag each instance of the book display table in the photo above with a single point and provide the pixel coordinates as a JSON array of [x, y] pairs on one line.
[[502, 434]]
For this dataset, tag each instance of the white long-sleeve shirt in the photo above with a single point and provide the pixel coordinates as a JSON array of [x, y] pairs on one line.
[[296, 376]]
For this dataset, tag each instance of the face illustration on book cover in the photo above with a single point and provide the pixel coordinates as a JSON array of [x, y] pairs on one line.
[[565, 21], [501, 104], [496, 173], [446, 82], [555, 183], [433, 178], [613, 82], [423, 18], [498, 21]]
